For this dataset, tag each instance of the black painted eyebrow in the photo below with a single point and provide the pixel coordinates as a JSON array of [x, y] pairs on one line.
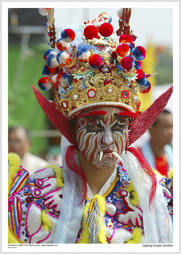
[[120, 116]]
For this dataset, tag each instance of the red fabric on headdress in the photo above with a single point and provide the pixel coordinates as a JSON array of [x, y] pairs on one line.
[[144, 121], [56, 117]]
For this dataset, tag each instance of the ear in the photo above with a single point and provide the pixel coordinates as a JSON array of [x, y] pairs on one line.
[[56, 117], [144, 121]]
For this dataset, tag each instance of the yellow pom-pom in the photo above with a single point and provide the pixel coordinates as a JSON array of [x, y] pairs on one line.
[[14, 162]]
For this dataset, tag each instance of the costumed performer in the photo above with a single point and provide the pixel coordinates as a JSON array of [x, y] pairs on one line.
[[104, 192]]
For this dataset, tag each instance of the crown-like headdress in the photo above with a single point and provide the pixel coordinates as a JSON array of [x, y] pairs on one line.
[[102, 69]]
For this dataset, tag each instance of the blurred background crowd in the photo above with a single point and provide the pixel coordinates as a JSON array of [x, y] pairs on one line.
[[27, 43]]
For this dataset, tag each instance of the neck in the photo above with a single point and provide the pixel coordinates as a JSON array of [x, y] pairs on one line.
[[95, 177], [158, 150]]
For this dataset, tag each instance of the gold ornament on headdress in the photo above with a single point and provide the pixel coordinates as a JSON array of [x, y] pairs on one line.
[[79, 82]]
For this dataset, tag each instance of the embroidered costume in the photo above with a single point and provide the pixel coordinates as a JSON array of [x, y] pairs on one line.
[[95, 79], [35, 204]]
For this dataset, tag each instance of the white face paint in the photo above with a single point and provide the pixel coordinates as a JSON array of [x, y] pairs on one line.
[[101, 136]]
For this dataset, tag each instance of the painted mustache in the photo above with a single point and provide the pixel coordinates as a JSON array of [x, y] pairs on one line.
[[110, 151]]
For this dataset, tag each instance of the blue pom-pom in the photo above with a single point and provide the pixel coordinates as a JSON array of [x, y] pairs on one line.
[[139, 53], [63, 80], [52, 61], [49, 52], [63, 58], [142, 81], [120, 68], [82, 48], [131, 46], [67, 77], [68, 35], [145, 88], [46, 71], [45, 83], [138, 64]]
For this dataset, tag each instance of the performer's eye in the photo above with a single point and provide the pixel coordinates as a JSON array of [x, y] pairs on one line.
[[120, 125], [94, 127]]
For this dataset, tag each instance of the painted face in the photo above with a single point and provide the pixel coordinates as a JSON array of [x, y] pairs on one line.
[[100, 134]]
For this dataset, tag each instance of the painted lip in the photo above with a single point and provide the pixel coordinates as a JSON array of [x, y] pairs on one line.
[[108, 151]]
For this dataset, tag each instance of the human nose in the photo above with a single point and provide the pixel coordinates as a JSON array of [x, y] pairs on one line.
[[107, 137]]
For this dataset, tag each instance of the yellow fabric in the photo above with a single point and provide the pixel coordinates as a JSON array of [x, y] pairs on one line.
[[84, 238], [111, 187], [58, 173], [45, 221], [11, 237], [170, 173], [136, 236], [148, 66], [134, 200], [14, 165]]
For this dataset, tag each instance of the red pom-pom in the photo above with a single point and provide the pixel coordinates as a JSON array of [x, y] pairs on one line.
[[140, 74], [62, 45], [127, 62], [106, 29], [139, 53], [95, 61], [123, 49], [146, 88], [90, 32], [125, 38], [68, 35], [54, 80], [45, 83]]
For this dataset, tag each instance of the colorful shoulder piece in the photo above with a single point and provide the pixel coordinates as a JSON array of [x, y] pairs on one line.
[[34, 203]]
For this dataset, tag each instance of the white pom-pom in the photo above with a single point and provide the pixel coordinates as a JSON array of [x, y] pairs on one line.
[[52, 61], [84, 56], [120, 13], [62, 45], [63, 57], [54, 79]]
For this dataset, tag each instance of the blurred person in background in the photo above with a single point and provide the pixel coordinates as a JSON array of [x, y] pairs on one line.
[[158, 149], [19, 142]]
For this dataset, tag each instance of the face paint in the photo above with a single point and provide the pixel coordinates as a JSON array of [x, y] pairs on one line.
[[100, 136]]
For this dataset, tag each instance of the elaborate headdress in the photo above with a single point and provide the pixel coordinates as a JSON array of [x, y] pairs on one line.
[[103, 68]]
